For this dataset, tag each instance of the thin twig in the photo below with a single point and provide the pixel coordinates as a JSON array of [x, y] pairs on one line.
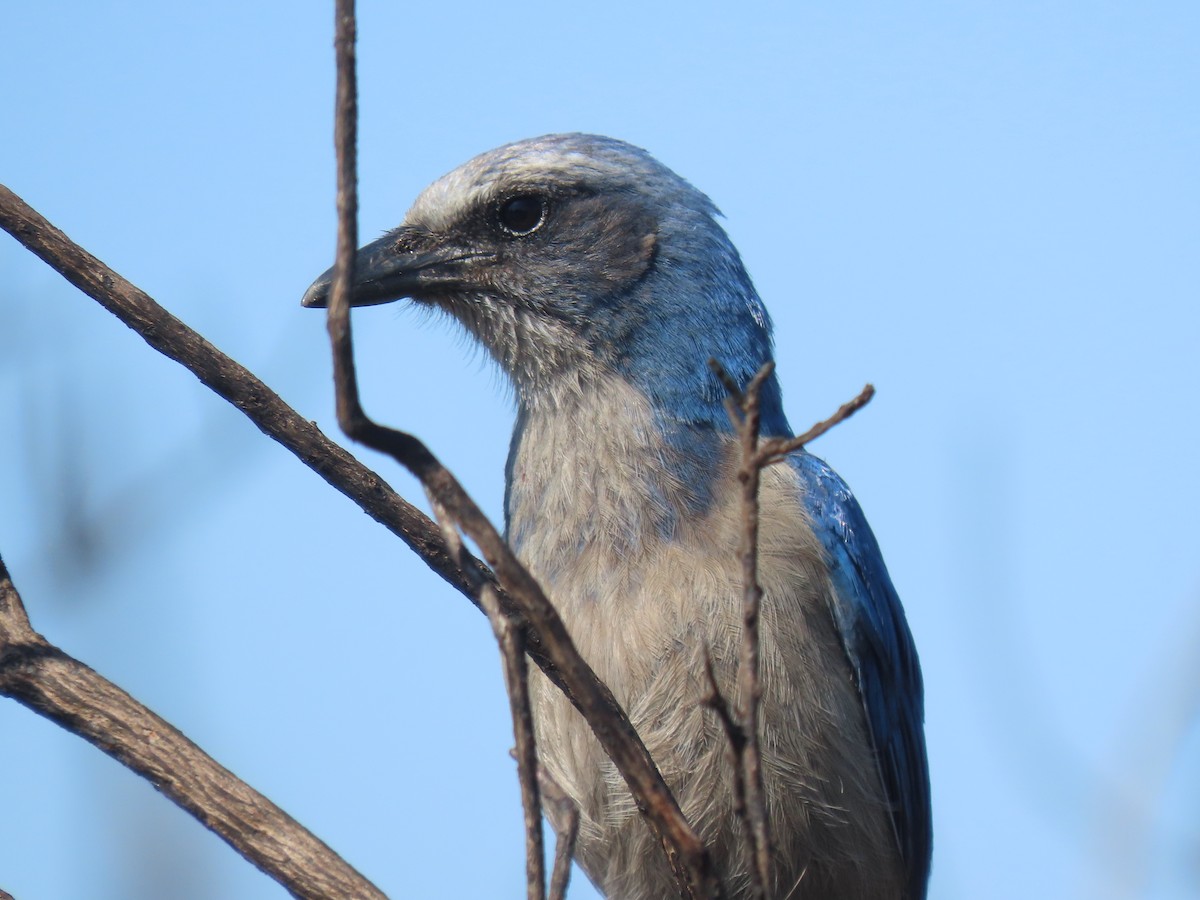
[[749, 685], [345, 139], [516, 679], [42, 677], [564, 815], [564, 853], [688, 857], [735, 734], [750, 800], [776, 449]]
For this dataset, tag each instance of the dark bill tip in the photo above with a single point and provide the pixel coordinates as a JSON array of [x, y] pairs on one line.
[[317, 295]]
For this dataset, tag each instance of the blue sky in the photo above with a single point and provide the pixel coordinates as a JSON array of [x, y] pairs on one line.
[[988, 210]]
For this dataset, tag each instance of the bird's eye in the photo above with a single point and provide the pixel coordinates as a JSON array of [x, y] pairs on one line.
[[522, 215]]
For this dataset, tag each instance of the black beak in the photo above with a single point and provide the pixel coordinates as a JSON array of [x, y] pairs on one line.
[[395, 266]]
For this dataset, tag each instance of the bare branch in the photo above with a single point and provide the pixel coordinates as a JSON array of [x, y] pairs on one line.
[[687, 856], [345, 139], [565, 817], [750, 800], [516, 679], [735, 734], [776, 449], [749, 685], [40, 676]]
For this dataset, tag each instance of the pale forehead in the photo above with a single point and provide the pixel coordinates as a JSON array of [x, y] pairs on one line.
[[573, 159]]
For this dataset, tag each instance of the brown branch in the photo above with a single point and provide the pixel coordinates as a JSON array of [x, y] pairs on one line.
[[736, 734], [42, 677], [687, 856], [511, 639], [776, 449], [565, 818], [750, 798], [516, 679], [345, 140], [749, 685]]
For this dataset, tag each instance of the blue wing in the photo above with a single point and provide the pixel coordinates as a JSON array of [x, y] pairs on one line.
[[882, 657]]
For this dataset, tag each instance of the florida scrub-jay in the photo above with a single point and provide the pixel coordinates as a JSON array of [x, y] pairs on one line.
[[601, 283]]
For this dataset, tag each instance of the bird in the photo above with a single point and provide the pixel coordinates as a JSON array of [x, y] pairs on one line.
[[602, 283]]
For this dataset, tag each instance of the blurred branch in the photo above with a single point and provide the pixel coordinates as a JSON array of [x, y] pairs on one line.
[[40, 676], [1149, 747], [688, 857]]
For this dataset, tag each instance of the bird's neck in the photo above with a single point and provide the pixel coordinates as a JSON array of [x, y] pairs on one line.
[[597, 464], [697, 305]]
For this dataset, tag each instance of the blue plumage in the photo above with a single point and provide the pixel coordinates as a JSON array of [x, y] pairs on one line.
[[881, 652], [602, 283]]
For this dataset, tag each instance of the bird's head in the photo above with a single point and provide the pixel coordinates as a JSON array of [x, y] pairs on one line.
[[575, 256]]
